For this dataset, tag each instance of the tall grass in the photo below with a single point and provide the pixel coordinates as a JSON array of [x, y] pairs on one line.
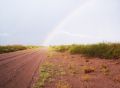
[[61, 48], [102, 50], [12, 48]]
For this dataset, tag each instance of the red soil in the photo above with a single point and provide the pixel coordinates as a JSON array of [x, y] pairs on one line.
[[106, 73], [17, 69]]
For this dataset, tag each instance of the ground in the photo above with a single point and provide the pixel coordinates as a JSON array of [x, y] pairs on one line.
[[41, 68], [18, 69], [77, 71]]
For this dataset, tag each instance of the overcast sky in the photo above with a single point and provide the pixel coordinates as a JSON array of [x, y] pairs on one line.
[[59, 21]]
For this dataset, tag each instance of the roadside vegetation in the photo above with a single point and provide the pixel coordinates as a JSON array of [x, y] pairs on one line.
[[101, 50], [12, 48], [64, 70], [48, 72]]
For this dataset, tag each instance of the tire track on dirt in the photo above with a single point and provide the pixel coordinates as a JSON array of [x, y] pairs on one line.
[[35, 74], [16, 69], [9, 60], [13, 68], [22, 72], [15, 54]]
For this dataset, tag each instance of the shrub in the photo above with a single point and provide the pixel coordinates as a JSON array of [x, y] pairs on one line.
[[88, 69], [102, 50], [12, 48], [61, 48]]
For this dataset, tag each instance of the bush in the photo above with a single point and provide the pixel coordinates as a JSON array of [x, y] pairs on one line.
[[62, 48], [102, 50], [12, 48]]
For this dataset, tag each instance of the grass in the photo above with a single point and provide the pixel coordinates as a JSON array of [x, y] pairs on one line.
[[61, 48], [63, 84], [72, 70], [45, 74], [48, 72], [88, 69], [105, 69], [101, 50], [12, 48]]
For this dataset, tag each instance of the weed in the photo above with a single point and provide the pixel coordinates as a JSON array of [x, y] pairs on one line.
[[105, 69], [103, 66], [62, 84], [48, 72], [72, 69], [61, 48], [88, 69], [12, 48], [44, 75], [102, 50]]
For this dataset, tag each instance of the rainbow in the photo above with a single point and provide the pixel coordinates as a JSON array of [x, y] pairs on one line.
[[73, 14]]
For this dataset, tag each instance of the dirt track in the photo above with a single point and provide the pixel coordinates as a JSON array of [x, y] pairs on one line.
[[17, 69]]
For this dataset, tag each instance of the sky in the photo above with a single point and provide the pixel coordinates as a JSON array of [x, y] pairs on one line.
[[54, 22]]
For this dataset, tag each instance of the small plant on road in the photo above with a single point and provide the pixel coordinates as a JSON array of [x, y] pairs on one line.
[[48, 72], [88, 69]]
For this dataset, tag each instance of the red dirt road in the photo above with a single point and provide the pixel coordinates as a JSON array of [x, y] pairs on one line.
[[17, 69]]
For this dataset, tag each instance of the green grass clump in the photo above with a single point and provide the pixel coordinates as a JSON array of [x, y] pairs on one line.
[[12, 48], [45, 74], [61, 48], [102, 50], [48, 71]]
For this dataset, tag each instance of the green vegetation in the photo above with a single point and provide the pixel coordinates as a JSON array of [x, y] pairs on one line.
[[12, 48], [102, 50], [61, 48], [45, 74], [48, 71]]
